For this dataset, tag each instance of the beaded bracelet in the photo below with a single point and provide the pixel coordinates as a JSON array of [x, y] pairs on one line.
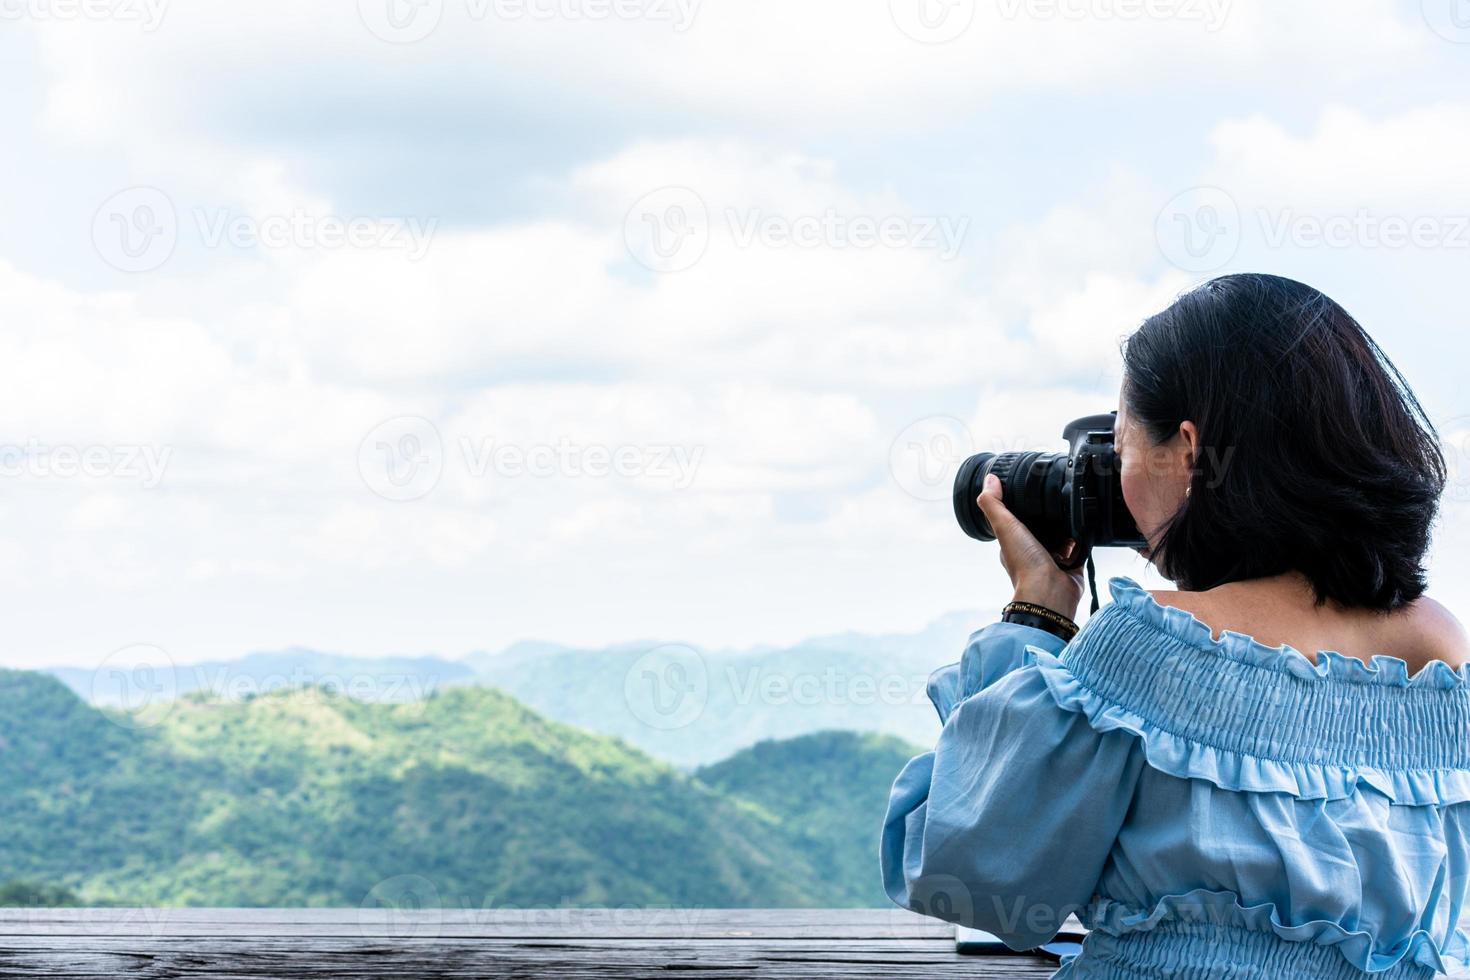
[[1040, 617]]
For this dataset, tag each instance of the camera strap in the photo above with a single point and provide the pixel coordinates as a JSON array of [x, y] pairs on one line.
[[1092, 581]]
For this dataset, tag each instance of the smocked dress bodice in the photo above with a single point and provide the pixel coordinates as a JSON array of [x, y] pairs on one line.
[[1209, 808]]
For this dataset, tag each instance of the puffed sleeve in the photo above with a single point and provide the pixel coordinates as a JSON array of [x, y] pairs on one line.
[[1007, 824]]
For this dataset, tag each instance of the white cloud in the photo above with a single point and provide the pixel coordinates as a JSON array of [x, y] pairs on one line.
[[1350, 158], [826, 64], [789, 370]]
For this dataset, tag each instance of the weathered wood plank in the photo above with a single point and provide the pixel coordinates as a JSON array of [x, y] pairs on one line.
[[650, 923], [334, 958], [569, 944]]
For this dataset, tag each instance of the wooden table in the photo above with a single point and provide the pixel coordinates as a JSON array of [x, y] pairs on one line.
[[562, 943]]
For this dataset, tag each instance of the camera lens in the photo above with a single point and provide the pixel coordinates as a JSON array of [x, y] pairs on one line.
[[1077, 495], [1034, 489]]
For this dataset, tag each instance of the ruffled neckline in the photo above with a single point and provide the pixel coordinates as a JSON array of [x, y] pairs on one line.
[[1330, 665], [1257, 718]]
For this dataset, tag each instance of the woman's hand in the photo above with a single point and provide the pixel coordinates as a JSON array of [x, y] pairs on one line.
[[1033, 570]]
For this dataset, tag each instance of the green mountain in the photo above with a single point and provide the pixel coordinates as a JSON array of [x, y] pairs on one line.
[[307, 797], [828, 792], [848, 682]]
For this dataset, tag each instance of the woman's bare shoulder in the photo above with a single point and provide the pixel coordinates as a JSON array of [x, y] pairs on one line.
[[1444, 636], [1425, 630]]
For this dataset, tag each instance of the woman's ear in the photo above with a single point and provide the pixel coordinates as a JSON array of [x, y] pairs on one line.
[[1190, 433], [1190, 443]]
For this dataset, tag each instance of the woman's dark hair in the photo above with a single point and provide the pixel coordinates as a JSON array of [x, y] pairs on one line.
[[1314, 454]]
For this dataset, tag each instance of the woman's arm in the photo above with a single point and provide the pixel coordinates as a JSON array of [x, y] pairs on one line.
[[992, 653], [1007, 825]]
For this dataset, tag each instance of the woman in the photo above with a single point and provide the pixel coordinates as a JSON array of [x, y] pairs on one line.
[[1211, 801]]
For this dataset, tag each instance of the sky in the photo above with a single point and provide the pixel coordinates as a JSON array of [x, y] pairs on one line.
[[411, 326]]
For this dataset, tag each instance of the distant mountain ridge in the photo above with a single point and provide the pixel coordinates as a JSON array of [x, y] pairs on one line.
[[465, 797], [375, 679], [729, 700]]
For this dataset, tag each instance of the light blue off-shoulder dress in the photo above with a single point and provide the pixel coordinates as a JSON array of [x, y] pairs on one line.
[[1209, 808]]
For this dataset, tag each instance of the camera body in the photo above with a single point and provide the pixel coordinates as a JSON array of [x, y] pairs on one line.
[[1077, 494]]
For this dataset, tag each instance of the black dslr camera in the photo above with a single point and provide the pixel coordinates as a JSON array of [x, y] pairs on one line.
[[1077, 494]]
